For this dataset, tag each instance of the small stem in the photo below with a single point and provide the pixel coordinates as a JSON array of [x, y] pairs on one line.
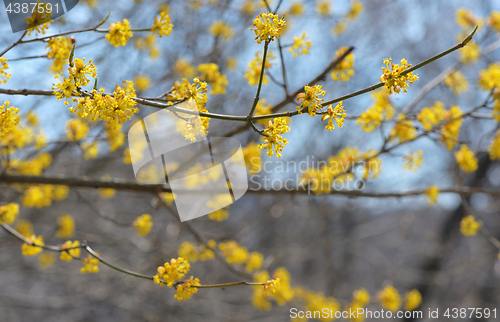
[[257, 96]]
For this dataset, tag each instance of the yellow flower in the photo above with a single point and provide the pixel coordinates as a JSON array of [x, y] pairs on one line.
[[219, 215], [372, 164], [339, 28], [171, 272], [267, 27], [252, 73], [382, 110], [466, 19], [66, 225], [90, 265], [300, 45], [457, 82], [356, 9], [90, 150], [413, 161], [29, 250], [65, 88], [221, 29], [210, 73], [252, 156], [432, 194], [470, 53], [494, 147], [489, 79], [323, 7], [38, 196], [142, 82], [184, 68], [332, 114], [271, 286], [9, 118], [254, 262], [233, 252], [494, 20], [389, 298], [25, 228], [263, 109], [71, 253], [8, 213], [186, 289], [412, 300], [361, 296], [114, 135], [194, 253], [143, 224], [4, 76], [284, 293], [39, 21], [403, 130], [310, 99], [163, 25], [46, 259], [119, 33], [76, 129], [296, 9], [80, 70], [466, 159], [393, 78], [60, 192], [274, 142], [469, 226], [344, 70]]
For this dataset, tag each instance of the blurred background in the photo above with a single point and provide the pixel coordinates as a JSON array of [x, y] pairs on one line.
[[330, 243]]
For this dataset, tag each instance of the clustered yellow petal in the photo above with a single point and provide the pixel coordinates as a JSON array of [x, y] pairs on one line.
[[389, 298], [39, 19], [469, 226], [221, 29], [9, 118], [268, 26], [8, 213], [466, 159], [33, 247], [431, 116], [59, 49], [412, 300], [403, 130], [210, 73], [273, 140], [4, 76], [79, 70], [413, 161], [309, 100], [143, 224], [72, 252], [185, 290], [172, 272], [193, 253], [90, 264], [345, 69], [457, 82], [254, 69], [163, 25], [432, 194], [381, 110], [300, 45], [66, 226], [119, 33], [336, 114], [233, 252], [394, 78]]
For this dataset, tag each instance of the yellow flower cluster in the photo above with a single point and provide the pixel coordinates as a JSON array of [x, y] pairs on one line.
[[494, 20], [336, 114], [39, 21], [148, 44], [489, 79], [465, 19], [76, 129], [31, 250], [79, 71], [360, 298], [171, 272], [300, 45], [186, 289], [389, 298], [184, 68], [254, 262], [233, 252], [252, 73], [274, 142], [72, 253], [268, 26], [65, 88], [413, 161], [194, 253], [9, 118], [59, 49], [457, 82], [119, 33], [66, 226], [252, 156], [8, 213], [469, 226], [33, 167], [318, 301], [220, 214], [435, 114], [403, 130], [163, 25], [90, 150], [210, 73], [263, 109], [90, 264], [277, 288], [271, 286], [324, 7], [470, 53], [381, 110], [221, 29], [412, 300], [310, 100], [394, 78], [296, 9], [113, 109], [4, 76], [42, 195], [466, 159], [114, 135], [494, 147], [143, 224], [25, 228], [345, 69], [142, 82], [432, 194]]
